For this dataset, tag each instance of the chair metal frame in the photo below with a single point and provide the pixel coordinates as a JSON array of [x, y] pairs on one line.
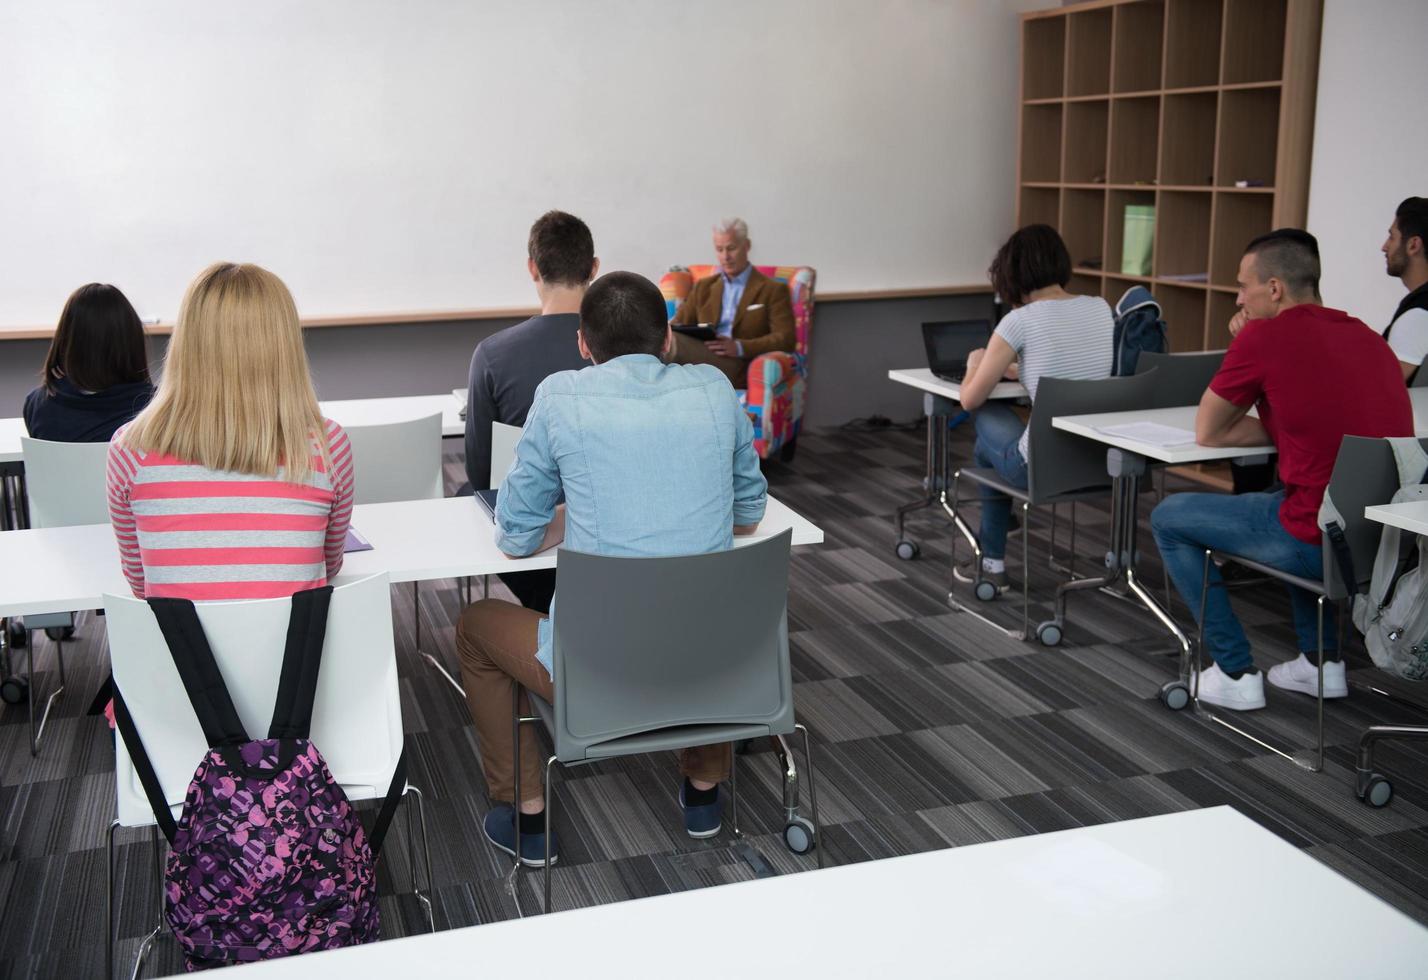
[[544, 714]]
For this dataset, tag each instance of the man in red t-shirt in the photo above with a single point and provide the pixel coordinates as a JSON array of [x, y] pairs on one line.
[[1315, 375]]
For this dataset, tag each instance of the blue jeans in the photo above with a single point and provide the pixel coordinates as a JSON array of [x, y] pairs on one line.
[[1185, 524], [998, 431]]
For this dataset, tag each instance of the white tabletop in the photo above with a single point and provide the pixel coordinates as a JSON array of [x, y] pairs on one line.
[[10, 432], [1411, 516], [924, 380], [1182, 417], [353, 411], [379, 411], [70, 568], [1120, 900]]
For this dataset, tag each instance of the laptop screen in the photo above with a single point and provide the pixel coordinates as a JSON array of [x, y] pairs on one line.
[[949, 342]]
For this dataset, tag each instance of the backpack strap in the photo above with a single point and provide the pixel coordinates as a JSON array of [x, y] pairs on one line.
[[145, 769], [199, 671], [1411, 460], [302, 657], [1331, 522], [388, 810]]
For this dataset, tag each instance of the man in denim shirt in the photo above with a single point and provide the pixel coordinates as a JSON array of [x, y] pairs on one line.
[[654, 459]]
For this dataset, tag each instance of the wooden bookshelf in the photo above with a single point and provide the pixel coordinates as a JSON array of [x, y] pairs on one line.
[[1168, 103]]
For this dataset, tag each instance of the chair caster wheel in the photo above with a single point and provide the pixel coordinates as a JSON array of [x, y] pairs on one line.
[[985, 591], [58, 633], [1175, 695], [1378, 792], [13, 690], [19, 636], [798, 835], [1049, 633], [907, 550]]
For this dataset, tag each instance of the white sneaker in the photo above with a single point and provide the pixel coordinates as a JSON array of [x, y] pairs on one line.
[[1302, 675], [1219, 688]]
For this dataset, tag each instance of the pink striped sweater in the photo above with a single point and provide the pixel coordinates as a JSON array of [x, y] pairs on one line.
[[189, 532]]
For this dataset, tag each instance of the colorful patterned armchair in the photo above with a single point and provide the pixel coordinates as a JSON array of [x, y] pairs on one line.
[[778, 381]]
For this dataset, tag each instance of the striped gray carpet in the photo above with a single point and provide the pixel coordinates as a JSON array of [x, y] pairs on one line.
[[932, 730]]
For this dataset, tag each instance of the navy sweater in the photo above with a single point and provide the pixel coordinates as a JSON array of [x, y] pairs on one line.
[[71, 415]]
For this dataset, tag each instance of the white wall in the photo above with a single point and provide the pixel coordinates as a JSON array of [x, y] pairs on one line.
[[387, 157], [1370, 145]]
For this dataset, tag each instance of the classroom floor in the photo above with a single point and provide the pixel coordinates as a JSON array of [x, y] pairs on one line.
[[932, 730]]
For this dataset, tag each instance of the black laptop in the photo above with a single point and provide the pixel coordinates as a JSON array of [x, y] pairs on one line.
[[949, 342]]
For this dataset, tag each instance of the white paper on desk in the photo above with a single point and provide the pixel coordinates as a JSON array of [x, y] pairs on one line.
[[1151, 433]]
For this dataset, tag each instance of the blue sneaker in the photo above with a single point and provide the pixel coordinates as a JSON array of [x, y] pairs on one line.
[[500, 828], [701, 821]]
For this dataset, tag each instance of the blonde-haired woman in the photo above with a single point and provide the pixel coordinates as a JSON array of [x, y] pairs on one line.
[[231, 484]]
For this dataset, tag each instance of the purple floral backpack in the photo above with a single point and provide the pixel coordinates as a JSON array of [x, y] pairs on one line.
[[268, 856]]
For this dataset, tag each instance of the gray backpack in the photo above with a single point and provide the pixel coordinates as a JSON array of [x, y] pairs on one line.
[[1393, 615]]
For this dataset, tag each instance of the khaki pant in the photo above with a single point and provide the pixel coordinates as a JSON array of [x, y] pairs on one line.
[[687, 350], [497, 644]]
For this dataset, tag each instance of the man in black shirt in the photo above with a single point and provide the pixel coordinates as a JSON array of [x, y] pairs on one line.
[[508, 365], [1405, 256]]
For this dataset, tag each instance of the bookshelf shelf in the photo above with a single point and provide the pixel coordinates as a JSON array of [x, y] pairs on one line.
[[1168, 103]]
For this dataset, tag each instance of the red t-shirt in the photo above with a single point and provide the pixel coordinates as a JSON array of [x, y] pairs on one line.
[[1316, 375]]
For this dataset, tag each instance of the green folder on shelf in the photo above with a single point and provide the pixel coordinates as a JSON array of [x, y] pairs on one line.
[[1138, 240]]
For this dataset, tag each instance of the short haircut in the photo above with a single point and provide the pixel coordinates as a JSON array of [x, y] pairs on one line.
[[98, 343], [1412, 219], [562, 248], [1033, 258], [1290, 255], [623, 313], [733, 226]]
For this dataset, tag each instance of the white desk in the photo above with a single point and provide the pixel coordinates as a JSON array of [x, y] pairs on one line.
[[940, 401], [68, 568], [1411, 516], [1182, 417], [924, 380], [1120, 900], [353, 411], [380, 411]]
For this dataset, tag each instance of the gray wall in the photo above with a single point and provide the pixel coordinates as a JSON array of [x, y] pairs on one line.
[[854, 345]]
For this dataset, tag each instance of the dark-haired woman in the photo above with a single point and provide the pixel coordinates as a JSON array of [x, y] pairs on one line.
[[1048, 333], [96, 375]]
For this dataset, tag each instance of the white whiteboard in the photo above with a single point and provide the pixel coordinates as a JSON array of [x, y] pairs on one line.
[[1370, 148], [388, 156]]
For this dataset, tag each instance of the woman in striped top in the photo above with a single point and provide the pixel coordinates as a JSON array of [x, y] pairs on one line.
[[1048, 333], [231, 484]]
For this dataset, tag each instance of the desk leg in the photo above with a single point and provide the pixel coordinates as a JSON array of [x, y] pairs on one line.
[[938, 412]]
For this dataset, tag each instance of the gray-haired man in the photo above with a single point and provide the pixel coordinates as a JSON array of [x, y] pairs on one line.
[[750, 313]]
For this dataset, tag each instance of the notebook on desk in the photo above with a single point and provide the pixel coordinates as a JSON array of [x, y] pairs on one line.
[[487, 499], [355, 542], [950, 342]]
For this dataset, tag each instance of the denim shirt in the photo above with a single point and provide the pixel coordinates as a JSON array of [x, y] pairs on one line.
[[654, 459]]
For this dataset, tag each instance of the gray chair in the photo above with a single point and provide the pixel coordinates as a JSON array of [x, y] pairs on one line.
[[1183, 378], [1061, 468], [1420, 377], [65, 482], [648, 658], [1364, 475]]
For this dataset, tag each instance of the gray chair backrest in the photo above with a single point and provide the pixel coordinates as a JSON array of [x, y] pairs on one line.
[[1420, 377], [1060, 462], [1365, 475], [649, 644], [1183, 377]]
